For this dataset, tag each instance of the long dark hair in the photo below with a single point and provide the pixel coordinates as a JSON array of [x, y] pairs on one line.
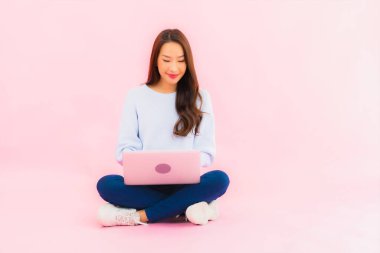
[[187, 87]]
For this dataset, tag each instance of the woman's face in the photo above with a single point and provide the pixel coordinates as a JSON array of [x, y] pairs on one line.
[[171, 63]]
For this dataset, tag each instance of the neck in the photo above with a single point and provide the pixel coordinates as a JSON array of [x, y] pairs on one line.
[[165, 87]]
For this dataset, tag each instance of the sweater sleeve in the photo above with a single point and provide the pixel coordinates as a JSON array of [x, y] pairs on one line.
[[205, 140], [128, 138]]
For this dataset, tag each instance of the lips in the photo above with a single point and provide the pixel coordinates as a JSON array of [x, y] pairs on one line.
[[172, 76]]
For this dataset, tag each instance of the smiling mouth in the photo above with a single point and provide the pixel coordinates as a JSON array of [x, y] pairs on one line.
[[172, 76]]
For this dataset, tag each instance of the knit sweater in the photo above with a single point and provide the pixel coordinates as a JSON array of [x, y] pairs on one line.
[[147, 122]]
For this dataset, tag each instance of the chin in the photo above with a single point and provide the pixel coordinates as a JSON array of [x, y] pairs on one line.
[[173, 81]]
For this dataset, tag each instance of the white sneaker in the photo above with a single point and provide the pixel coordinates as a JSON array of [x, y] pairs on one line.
[[200, 213], [215, 210], [110, 215]]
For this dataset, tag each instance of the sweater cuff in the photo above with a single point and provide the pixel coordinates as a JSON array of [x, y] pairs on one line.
[[205, 159]]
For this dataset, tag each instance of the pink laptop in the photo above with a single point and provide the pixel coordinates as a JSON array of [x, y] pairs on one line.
[[155, 167]]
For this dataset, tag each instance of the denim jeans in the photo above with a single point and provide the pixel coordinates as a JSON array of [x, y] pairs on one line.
[[162, 201]]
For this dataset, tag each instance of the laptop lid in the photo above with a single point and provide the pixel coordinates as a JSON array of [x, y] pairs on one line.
[[155, 167]]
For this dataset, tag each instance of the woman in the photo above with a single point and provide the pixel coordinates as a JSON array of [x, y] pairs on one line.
[[168, 112]]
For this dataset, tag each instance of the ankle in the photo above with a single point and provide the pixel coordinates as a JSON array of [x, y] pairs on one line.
[[143, 217]]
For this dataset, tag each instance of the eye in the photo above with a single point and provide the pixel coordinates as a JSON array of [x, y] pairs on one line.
[[169, 61]]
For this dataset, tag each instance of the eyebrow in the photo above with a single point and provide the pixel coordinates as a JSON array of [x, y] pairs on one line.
[[170, 57]]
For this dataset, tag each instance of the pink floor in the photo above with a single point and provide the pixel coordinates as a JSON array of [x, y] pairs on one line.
[[49, 210]]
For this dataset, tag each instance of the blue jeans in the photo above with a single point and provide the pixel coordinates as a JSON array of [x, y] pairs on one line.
[[162, 201]]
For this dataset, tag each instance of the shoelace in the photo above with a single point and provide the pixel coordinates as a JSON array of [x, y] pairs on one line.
[[130, 218]]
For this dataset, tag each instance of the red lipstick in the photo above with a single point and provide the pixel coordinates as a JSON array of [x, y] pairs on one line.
[[172, 76]]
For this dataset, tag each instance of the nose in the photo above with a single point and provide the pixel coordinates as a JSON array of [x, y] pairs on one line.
[[173, 68]]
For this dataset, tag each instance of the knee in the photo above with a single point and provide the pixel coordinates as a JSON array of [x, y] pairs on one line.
[[220, 179], [223, 178], [107, 184]]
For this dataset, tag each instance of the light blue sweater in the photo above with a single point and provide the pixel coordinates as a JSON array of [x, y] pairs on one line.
[[147, 122]]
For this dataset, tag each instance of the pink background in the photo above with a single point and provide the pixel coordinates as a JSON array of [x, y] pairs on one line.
[[295, 87]]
